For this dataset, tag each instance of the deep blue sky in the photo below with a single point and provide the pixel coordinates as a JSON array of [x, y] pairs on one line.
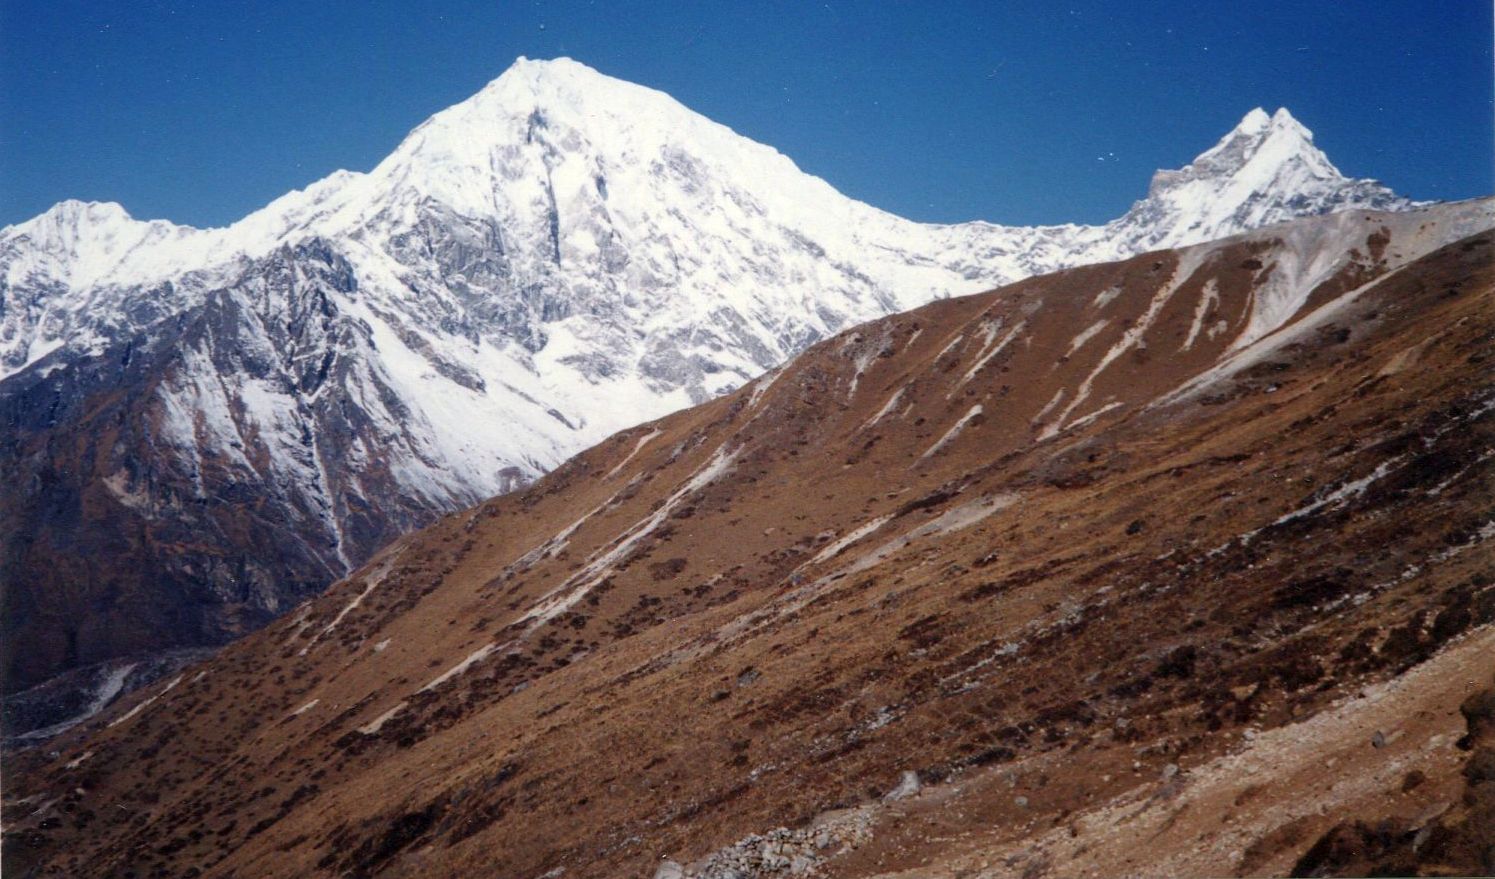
[[1017, 112]]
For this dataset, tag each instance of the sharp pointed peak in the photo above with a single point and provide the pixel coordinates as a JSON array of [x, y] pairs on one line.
[[1284, 117], [1258, 124], [1284, 122], [1279, 135], [1256, 120], [1255, 150]]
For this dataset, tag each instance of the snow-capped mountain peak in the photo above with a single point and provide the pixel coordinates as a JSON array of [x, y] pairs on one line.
[[1256, 152], [69, 213], [1266, 170], [586, 225], [581, 135], [558, 257], [593, 251], [79, 242]]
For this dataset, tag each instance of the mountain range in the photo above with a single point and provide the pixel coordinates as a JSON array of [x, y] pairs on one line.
[[204, 427], [1174, 565]]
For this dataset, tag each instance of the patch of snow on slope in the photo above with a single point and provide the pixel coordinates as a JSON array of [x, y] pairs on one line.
[[145, 702], [1106, 296], [77, 761], [371, 582], [764, 382], [373, 726], [1209, 297], [851, 537], [988, 353], [955, 519], [1086, 335], [1049, 406], [863, 360], [1344, 492], [953, 432], [638, 447], [563, 597], [959, 337], [1084, 420], [472, 659], [886, 408]]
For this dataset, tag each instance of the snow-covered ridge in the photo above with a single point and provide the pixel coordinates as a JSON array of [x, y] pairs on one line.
[[558, 257], [607, 157]]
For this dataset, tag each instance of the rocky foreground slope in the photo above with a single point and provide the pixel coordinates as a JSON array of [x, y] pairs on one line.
[[1162, 566], [200, 428]]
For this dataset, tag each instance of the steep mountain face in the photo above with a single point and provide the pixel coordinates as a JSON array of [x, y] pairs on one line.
[[204, 425], [1177, 561], [173, 465]]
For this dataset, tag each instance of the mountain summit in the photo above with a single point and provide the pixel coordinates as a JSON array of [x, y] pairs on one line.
[[206, 425], [1255, 153], [1265, 169]]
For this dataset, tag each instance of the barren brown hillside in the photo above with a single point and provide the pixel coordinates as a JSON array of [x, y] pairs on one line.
[[1166, 566]]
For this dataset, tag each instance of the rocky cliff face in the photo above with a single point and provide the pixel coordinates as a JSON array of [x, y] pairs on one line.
[[166, 485], [1162, 565], [203, 426]]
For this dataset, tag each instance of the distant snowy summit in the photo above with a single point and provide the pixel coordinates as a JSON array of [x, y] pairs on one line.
[[1265, 171], [558, 257]]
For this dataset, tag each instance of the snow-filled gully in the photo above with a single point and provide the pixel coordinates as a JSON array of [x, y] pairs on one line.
[[371, 581], [567, 594], [1189, 262], [952, 520], [952, 433]]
